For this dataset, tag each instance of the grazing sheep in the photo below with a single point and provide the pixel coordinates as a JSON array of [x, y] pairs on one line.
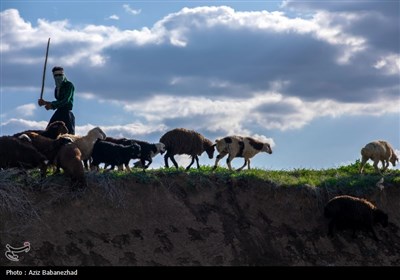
[[15, 152], [238, 146], [47, 146], [86, 143], [53, 130], [183, 141], [114, 154], [147, 150], [69, 159], [378, 151], [355, 213]]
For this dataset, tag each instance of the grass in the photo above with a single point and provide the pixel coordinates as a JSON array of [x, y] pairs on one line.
[[342, 177]]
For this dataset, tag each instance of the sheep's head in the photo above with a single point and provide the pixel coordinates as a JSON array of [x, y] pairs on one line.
[[160, 147], [57, 128], [267, 148], [97, 133], [209, 148], [394, 159]]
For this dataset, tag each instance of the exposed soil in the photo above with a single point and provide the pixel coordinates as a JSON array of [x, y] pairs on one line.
[[181, 222]]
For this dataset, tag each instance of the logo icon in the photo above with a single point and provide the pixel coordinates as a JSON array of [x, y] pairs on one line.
[[12, 252]]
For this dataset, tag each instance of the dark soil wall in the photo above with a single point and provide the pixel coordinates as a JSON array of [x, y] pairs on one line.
[[177, 221]]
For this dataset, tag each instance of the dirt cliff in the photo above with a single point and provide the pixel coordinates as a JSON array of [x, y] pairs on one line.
[[181, 221]]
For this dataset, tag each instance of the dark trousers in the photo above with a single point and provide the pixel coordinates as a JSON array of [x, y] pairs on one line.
[[65, 115]]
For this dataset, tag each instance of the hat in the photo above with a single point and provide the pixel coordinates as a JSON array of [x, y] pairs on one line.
[[57, 70]]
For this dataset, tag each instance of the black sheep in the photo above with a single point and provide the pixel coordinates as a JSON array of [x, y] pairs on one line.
[[355, 213], [147, 150], [114, 154], [15, 152]]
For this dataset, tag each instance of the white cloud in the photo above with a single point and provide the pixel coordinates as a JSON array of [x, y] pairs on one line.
[[131, 11], [26, 110], [390, 64], [113, 17], [268, 110], [227, 68]]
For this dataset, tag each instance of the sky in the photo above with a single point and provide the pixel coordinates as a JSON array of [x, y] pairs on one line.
[[318, 80]]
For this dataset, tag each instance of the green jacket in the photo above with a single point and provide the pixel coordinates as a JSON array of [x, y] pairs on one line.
[[66, 96]]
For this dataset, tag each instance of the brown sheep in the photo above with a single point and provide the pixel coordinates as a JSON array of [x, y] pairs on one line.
[[86, 143], [15, 152], [355, 213], [69, 159], [48, 147], [52, 131], [183, 141]]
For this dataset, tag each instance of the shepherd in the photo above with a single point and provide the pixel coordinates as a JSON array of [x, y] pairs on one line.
[[64, 95]]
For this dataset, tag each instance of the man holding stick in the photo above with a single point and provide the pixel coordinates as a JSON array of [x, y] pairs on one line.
[[64, 94]]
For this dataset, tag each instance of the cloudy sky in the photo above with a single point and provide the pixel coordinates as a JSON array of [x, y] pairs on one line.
[[318, 80]]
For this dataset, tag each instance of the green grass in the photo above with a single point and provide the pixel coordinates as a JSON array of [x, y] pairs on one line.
[[342, 177]]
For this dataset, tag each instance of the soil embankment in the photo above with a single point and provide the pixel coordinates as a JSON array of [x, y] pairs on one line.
[[175, 220]]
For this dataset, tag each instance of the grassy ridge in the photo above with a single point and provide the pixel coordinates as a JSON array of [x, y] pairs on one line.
[[345, 176]]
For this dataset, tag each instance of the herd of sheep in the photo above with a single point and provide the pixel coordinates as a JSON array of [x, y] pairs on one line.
[[72, 153]]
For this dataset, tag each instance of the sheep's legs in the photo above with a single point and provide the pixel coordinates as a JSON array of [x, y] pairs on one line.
[[167, 155], [197, 162], [228, 162], [363, 162], [245, 162], [376, 166], [385, 165], [218, 158]]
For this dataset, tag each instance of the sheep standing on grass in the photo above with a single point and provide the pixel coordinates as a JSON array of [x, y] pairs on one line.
[[69, 159], [182, 141], [238, 146], [86, 143], [147, 150], [378, 151], [114, 154], [15, 152], [47, 146], [355, 213]]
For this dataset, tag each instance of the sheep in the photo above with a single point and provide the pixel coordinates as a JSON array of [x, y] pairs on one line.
[[114, 154], [53, 130], [183, 141], [69, 159], [355, 213], [16, 152], [378, 151], [147, 150], [86, 143], [238, 146], [48, 147]]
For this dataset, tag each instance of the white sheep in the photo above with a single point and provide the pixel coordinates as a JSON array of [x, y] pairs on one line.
[[85, 143], [378, 151], [238, 146]]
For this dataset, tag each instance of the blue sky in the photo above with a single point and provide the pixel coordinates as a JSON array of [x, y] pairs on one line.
[[317, 79]]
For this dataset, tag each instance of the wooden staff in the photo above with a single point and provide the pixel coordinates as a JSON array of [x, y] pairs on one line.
[[44, 70]]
